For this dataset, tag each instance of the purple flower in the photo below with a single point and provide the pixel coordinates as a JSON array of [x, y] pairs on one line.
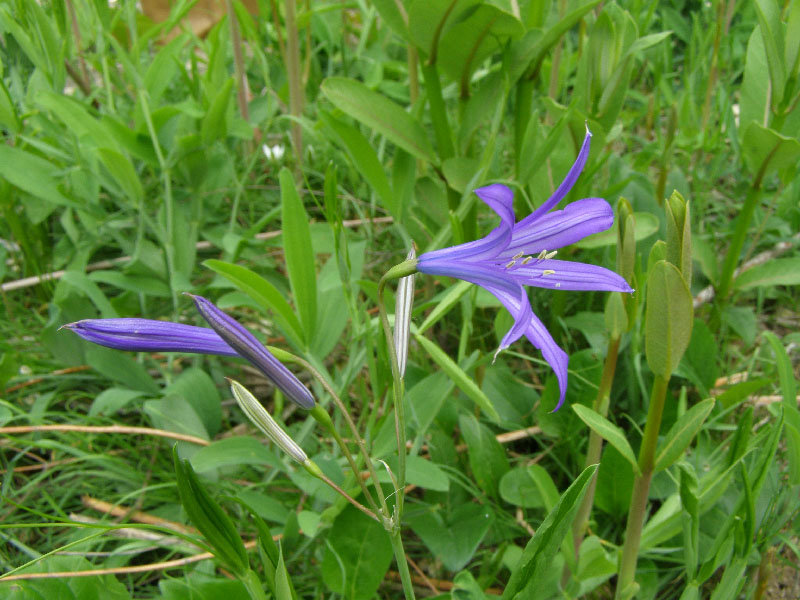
[[518, 254], [225, 338]]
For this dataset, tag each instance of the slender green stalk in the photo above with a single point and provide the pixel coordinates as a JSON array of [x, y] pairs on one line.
[[413, 76], [238, 61], [399, 406], [294, 75], [596, 442], [738, 240], [441, 125], [402, 563], [641, 488], [356, 436], [169, 204]]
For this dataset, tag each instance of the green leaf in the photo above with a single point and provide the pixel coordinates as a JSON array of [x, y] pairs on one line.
[[357, 555], [80, 281], [668, 318], [8, 112], [283, 585], [681, 434], [263, 292], [487, 457], [366, 161], [646, 225], [452, 535], [769, 20], [457, 374], [231, 452], [215, 124], [299, 254], [608, 431], [139, 284], [120, 367], [539, 552], [209, 518], [121, 169], [32, 174], [779, 271], [445, 304], [419, 472], [767, 150], [77, 119], [517, 487], [381, 114], [197, 388]]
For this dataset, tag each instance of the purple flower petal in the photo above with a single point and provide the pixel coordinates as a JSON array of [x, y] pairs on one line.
[[247, 346], [501, 200], [567, 275], [558, 360], [147, 335], [566, 185], [560, 228]]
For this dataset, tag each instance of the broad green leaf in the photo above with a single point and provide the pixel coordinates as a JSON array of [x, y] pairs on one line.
[[365, 160], [283, 585], [263, 292], [197, 388], [540, 550], [451, 534], [778, 271], [681, 434], [32, 174], [380, 114], [517, 488], [419, 472], [668, 318], [457, 374], [740, 391], [487, 457], [299, 254], [120, 367], [111, 400], [766, 150], [357, 555], [8, 112], [231, 452], [608, 431]]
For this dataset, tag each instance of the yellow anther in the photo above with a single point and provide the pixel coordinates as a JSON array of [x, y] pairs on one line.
[[526, 260], [542, 254], [518, 256], [551, 254], [548, 272], [511, 264]]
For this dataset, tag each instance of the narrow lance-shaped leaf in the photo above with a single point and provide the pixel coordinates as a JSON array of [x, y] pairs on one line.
[[299, 254], [608, 431], [681, 434]]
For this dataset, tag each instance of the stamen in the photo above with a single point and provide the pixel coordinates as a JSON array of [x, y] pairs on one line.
[[551, 254], [548, 272], [542, 254], [518, 256], [526, 260], [511, 264], [558, 285]]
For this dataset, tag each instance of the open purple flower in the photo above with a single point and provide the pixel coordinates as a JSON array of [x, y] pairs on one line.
[[518, 254], [226, 338]]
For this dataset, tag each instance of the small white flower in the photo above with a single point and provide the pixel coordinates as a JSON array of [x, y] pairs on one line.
[[275, 152]]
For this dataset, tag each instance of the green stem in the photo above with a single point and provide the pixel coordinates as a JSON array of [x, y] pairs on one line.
[[169, 243], [641, 489], [238, 61], [441, 125], [522, 116], [738, 240], [353, 429], [596, 442], [253, 585], [403, 269], [323, 418], [293, 74], [402, 564]]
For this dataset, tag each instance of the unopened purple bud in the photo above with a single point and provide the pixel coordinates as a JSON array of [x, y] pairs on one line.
[[247, 346], [148, 335]]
